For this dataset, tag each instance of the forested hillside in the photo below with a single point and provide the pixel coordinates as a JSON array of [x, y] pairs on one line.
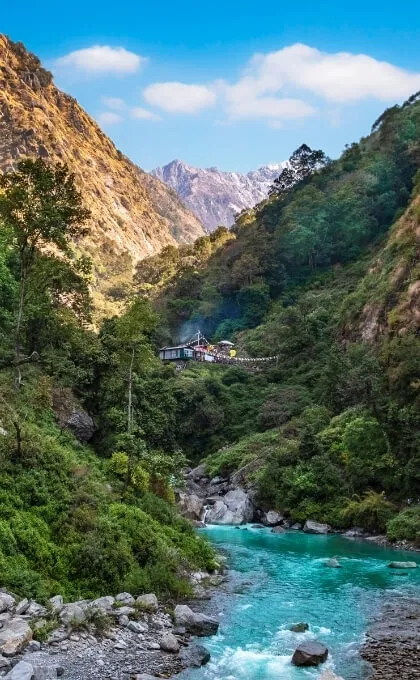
[[323, 274]]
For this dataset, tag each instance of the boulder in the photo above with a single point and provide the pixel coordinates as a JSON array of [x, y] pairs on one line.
[[35, 609], [22, 671], [4, 663], [125, 598], [57, 603], [297, 526], [190, 506], [277, 530], [198, 472], [312, 527], [22, 607], [310, 654], [137, 627], [71, 416], [169, 643], [145, 676], [194, 655], [103, 603], [333, 563], [402, 565], [272, 518], [14, 636], [72, 613], [148, 601], [42, 671], [355, 532], [197, 624], [7, 602], [299, 627], [235, 508]]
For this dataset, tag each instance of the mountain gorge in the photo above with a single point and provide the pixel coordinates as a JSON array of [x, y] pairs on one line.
[[216, 197], [133, 215]]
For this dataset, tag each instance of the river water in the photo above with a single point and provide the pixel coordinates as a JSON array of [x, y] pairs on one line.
[[278, 580]]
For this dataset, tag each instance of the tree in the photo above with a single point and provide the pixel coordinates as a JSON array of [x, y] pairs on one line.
[[302, 163], [41, 210]]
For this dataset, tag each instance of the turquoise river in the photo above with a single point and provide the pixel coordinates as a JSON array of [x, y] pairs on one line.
[[278, 580]]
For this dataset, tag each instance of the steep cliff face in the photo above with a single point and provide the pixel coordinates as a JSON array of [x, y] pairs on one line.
[[133, 214], [387, 299], [216, 196]]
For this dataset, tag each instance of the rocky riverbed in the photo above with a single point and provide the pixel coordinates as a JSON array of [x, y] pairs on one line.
[[110, 638], [393, 641]]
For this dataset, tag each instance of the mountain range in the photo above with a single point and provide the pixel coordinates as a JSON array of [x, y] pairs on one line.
[[216, 196], [133, 214]]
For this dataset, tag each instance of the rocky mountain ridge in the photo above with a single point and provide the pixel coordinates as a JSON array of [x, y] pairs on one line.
[[216, 196], [133, 214]]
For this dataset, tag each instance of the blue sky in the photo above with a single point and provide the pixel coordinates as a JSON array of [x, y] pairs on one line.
[[231, 84]]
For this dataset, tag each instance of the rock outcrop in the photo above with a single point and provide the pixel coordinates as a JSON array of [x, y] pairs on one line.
[[216, 196], [195, 623], [310, 653], [234, 508], [312, 527], [133, 214]]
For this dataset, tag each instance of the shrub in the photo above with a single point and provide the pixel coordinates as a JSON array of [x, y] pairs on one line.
[[371, 512], [405, 525]]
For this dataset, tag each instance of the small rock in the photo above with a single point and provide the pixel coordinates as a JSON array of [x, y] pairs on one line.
[[312, 527], [120, 646], [33, 646], [125, 598], [333, 563], [299, 627], [137, 627], [277, 530], [169, 643], [35, 609], [153, 645], [297, 526], [310, 654], [148, 601], [124, 621], [4, 663], [402, 565], [257, 526], [74, 638], [145, 676]]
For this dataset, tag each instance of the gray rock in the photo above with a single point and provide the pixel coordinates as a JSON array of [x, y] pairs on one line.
[[355, 532], [235, 508], [125, 598], [299, 627], [42, 671], [149, 601], [329, 675], [71, 415], [194, 655], [22, 671], [22, 607], [153, 645], [145, 676], [57, 603], [312, 527], [198, 472], [137, 627], [333, 563], [169, 643], [402, 565], [197, 624], [72, 613], [33, 646], [297, 526], [14, 636], [7, 602], [277, 530], [104, 603], [35, 609], [190, 505], [120, 646], [272, 518], [310, 653], [124, 621], [4, 663]]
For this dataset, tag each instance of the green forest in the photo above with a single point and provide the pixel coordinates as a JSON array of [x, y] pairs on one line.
[[323, 274]]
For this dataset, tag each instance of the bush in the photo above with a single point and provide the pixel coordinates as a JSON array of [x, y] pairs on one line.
[[371, 512], [405, 525]]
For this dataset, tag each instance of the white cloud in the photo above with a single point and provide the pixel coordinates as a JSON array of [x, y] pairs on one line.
[[109, 118], [114, 103], [179, 97], [340, 77], [143, 114], [101, 59]]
